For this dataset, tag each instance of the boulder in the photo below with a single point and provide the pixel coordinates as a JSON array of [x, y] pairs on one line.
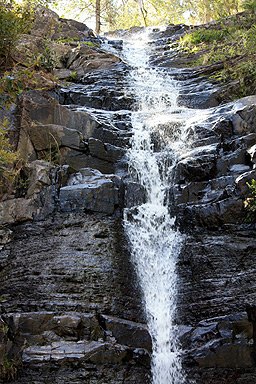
[[45, 327], [196, 168], [87, 59], [104, 151], [91, 190], [52, 135], [127, 332], [225, 356], [134, 195], [44, 121], [46, 22], [28, 50], [70, 353], [244, 121], [213, 215], [16, 210], [38, 174]]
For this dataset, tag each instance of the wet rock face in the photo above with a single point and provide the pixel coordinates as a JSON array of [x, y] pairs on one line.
[[69, 299], [58, 342], [69, 262], [100, 89], [216, 267], [91, 190], [211, 179], [210, 176]]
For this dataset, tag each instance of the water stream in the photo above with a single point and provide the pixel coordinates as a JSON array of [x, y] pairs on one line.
[[155, 243]]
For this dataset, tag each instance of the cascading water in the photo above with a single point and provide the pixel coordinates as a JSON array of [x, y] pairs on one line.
[[155, 244]]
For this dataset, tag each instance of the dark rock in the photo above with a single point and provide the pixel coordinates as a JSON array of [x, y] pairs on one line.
[[224, 128], [67, 286], [85, 59], [219, 268], [46, 21], [51, 135], [45, 327], [118, 44], [68, 353], [214, 215], [127, 332], [196, 168], [104, 151], [226, 356], [100, 89], [134, 194], [91, 190], [85, 273], [251, 312], [244, 120]]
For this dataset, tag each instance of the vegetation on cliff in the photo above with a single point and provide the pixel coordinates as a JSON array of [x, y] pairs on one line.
[[15, 78], [222, 50], [8, 157], [250, 202], [14, 21], [225, 50]]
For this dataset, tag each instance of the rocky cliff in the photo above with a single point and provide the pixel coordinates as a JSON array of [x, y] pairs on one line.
[[70, 303]]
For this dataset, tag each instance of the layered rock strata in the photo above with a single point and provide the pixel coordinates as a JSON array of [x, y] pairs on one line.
[[70, 304]]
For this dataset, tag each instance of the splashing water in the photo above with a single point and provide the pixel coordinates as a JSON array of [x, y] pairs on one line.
[[155, 244]]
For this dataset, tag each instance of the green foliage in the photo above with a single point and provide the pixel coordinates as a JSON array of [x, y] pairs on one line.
[[64, 40], [14, 20], [73, 76], [47, 59], [203, 11], [202, 36], [125, 14], [250, 202], [234, 45], [12, 83], [89, 43], [249, 5], [8, 157], [52, 154], [21, 79], [21, 184], [8, 368]]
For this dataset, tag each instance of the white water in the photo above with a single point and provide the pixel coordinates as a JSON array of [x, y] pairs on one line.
[[155, 244]]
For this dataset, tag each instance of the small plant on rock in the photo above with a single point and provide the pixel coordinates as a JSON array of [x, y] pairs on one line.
[[14, 20], [47, 59], [250, 202], [8, 157]]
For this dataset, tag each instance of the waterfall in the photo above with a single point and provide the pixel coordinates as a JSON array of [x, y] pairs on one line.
[[155, 243]]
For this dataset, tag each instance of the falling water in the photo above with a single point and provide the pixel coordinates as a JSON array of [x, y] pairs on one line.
[[155, 243]]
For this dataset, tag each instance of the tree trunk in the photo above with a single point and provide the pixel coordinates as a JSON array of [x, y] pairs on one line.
[[207, 12], [143, 11], [97, 16]]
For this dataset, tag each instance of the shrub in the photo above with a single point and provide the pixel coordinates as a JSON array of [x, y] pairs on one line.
[[8, 157], [48, 58], [250, 202], [249, 5], [203, 36], [14, 20]]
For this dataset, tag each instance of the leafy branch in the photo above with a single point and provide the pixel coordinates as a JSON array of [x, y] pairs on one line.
[[250, 202]]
